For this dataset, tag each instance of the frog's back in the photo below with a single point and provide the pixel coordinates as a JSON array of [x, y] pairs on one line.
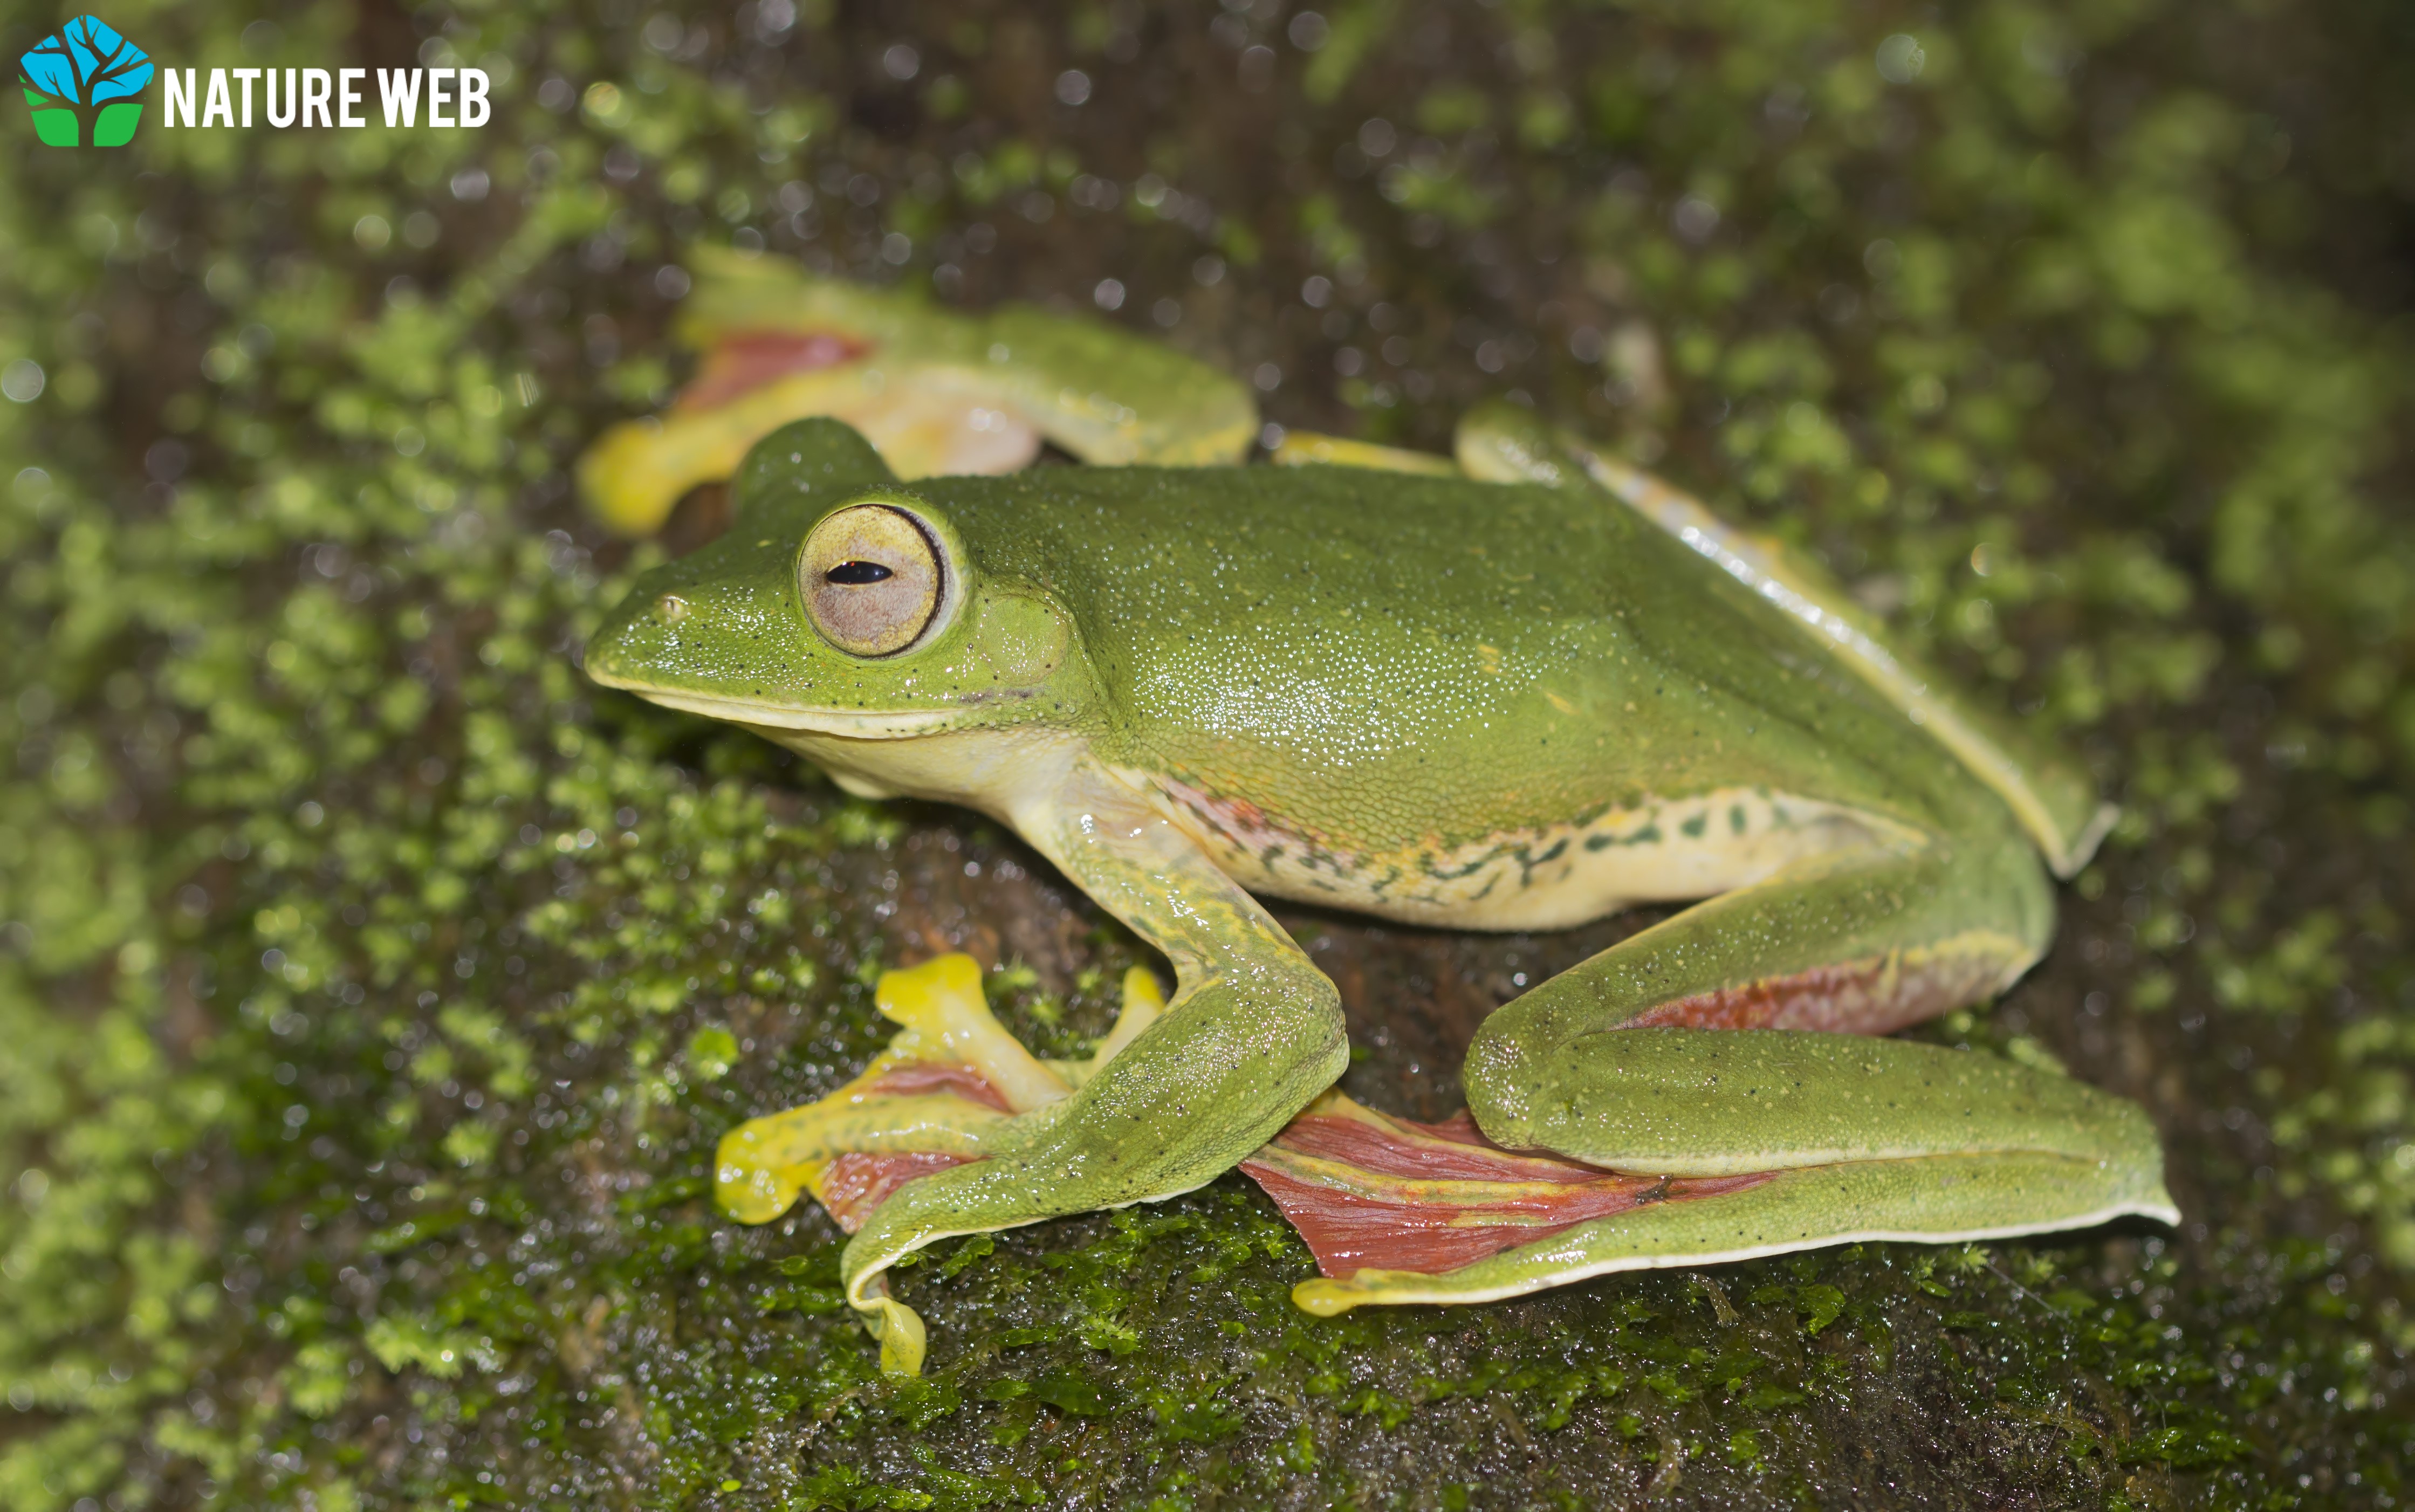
[[1396, 671]]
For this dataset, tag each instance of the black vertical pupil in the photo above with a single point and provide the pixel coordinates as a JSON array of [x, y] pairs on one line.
[[856, 574]]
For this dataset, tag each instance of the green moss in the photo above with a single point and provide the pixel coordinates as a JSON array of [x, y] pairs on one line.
[[374, 989]]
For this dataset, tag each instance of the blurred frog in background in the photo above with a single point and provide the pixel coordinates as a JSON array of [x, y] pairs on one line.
[[1519, 688]]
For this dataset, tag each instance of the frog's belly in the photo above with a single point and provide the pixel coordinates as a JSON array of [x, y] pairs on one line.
[[1550, 878]]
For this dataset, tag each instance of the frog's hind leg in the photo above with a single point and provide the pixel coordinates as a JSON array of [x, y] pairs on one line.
[[1692, 1121], [1855, 1140], [937, 392]]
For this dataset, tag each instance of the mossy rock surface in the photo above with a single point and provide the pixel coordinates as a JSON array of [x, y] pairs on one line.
[[372, 989]]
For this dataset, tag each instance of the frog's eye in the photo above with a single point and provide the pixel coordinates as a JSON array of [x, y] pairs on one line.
[[873, 579]]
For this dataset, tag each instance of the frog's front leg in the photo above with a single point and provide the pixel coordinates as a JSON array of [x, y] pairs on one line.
[[952, 1085], [1674, 1139], [1253, 1032], [948, 1089]]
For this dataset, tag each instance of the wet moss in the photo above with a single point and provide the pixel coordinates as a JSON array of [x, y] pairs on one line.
[[374, 989]]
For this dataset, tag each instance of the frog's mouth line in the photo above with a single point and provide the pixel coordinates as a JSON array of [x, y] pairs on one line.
[[855, 724]]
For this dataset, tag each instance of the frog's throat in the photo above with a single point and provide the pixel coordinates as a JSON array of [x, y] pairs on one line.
[[852, 723]]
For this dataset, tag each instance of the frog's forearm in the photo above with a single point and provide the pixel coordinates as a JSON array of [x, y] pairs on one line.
[[1187, 1101], [1114, 845], [1252, 1033]]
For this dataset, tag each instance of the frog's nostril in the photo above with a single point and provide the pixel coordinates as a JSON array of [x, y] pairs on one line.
[[670, 608]]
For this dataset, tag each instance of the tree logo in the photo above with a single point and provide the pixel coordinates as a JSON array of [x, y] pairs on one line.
[[85, 84]]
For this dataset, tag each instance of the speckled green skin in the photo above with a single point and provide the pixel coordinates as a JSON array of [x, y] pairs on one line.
[[1165, 681]]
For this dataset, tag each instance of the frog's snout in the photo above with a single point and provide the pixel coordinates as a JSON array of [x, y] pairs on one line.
[[601, 657], [626, 643], [596, 658]]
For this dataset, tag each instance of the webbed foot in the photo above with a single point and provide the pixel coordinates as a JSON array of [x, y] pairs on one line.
[[1392, 1207], [952, 1088]]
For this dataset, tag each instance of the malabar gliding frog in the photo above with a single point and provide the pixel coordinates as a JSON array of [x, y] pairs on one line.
[[1518, 691]]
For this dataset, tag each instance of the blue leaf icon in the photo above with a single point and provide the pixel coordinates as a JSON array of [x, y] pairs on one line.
[[45, 68], [85, 67]]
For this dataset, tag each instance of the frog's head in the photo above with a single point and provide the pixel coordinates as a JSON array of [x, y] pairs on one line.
[[839, 604]]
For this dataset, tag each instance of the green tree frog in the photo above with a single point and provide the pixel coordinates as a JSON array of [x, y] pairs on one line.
[[1518, 689]]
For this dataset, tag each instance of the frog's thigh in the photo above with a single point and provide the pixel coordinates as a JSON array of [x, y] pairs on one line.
[[1866, 941]]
